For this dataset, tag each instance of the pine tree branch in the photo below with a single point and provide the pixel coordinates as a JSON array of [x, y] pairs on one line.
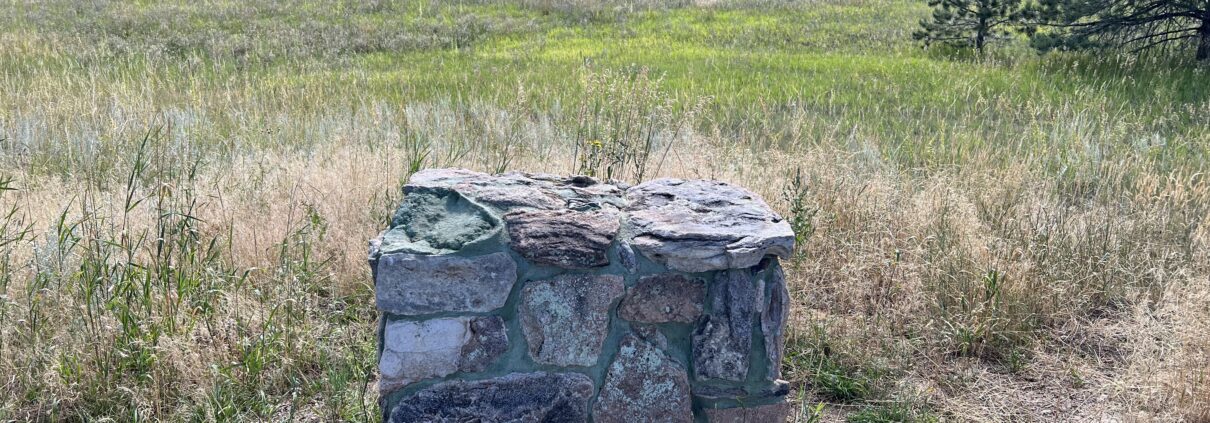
[[1166, 40], [1157, 34]]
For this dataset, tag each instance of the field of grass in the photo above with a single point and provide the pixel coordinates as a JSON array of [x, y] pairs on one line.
[[187, 189]]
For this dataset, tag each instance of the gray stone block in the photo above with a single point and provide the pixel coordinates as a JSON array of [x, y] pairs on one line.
[[419, 350], [627, 258], [770, 390], [770, 413], [664, 298], [412, 285], [722, 341], [487, 341], [414, 351], [773, 319], [565, 320], [519, 397], [643, 385]]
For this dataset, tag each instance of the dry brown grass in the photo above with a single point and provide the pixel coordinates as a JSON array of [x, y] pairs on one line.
[[1091, 350], [1010, 239], [866, 277]]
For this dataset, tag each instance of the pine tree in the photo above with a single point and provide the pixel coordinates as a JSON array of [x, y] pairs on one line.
[[969, 23], [1135, 24]]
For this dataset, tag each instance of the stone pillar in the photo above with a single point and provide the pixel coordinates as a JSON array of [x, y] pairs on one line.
[[529, 297]]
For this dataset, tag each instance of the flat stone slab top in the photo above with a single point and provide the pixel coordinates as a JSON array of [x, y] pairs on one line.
[[515, 190], [698, 226], [688, 225], [539, 298]]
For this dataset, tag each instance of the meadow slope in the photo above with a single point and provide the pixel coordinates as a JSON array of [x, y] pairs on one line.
[[187, 189]]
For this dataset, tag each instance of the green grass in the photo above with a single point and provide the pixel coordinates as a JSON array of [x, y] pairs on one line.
[[186, 188], [835, 70], [890, 413]]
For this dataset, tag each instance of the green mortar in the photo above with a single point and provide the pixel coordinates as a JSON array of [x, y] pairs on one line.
[[438, 222]]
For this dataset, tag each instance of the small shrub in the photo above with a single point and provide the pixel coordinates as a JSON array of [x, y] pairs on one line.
[[801, 215], [625, 124]]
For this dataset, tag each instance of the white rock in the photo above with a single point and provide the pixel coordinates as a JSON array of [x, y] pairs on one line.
[[414, 351]]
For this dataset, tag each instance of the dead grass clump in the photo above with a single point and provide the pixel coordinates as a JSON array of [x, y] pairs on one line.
[[993, 295]]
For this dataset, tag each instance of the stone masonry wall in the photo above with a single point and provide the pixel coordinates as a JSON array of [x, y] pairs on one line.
[[539, 298]]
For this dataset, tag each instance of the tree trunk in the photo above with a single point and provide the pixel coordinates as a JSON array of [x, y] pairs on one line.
[[1203, 42], [981, 35]]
